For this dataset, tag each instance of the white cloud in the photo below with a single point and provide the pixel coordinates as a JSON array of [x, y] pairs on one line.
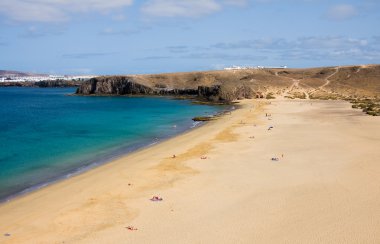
[[195, 8], [113, 32], [311, 42], [330, 42], [185, 8], [310, 48], [341, 12], [55, 10], [42, 31], [119, 17], [236, 2]]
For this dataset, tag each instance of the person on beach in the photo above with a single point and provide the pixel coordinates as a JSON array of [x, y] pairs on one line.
[[131, 228], [156, 198]]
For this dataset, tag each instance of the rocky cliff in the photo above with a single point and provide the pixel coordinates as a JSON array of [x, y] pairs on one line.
[[127, 85], [113, 85], [228, 85]]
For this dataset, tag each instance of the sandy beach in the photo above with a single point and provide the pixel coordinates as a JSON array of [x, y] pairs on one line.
[[323, 185]]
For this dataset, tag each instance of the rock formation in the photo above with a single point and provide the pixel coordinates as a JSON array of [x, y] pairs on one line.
[[344, 82]]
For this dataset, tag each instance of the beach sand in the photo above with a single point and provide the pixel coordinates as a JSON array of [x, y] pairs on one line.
[[324, 188]]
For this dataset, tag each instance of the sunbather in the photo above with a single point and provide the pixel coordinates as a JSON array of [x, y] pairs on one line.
[[156, 198], [131, 228]]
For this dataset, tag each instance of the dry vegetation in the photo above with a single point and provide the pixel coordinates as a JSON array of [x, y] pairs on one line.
[[370, 107], [353, 83], [348, 82]]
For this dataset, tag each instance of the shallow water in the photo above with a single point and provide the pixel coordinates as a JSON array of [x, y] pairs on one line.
[[46, 135]]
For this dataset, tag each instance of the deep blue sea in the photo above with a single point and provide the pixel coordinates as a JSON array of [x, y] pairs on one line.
[[46, 135]]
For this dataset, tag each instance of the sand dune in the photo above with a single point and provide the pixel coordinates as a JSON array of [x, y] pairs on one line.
[[323, 189]]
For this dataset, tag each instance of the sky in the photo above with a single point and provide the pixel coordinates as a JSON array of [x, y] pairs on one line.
[[155, 36]]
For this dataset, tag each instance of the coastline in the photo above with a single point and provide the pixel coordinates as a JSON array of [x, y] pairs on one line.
[[43, 152], [237, 194], [112, 155]]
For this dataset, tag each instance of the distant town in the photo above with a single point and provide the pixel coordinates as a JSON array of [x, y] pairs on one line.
[[36, 78], [234, 67]]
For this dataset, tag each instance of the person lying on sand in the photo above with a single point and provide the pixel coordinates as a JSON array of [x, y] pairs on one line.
[[131, 228], [204, 157], [156, 198], [275, 159]]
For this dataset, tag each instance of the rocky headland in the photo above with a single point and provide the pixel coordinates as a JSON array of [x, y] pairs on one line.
[[228, 85], [354, 83]]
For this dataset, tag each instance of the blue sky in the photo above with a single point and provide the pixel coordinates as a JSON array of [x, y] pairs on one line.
[[153, 36]]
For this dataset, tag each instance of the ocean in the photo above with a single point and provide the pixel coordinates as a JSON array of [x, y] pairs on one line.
[[46, 135]]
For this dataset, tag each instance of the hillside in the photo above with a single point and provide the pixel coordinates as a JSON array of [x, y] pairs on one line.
[[6, 73], [344, 82]]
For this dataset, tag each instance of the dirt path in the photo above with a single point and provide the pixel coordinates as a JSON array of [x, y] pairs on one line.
[[295, 85], [327, 81]]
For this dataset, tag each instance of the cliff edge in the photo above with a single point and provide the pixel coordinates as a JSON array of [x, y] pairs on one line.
[[341, 82]]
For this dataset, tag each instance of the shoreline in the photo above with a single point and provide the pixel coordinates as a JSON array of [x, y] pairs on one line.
[[112, 155], [323, 188], [119, 156]]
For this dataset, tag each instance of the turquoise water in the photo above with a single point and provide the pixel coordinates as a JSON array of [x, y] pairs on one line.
[[46, 135]]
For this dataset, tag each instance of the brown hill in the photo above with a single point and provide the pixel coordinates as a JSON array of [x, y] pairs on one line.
[[12, 73], [343, 82]]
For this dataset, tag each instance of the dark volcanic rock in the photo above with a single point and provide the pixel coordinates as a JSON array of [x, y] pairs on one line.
[[125, 85], [113, 85], [225, 93], [10, 84], [209, 92], [176, 92], [56, 83]]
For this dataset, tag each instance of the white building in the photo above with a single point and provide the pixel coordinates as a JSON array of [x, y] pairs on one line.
[[44, 78], [234, 67]]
